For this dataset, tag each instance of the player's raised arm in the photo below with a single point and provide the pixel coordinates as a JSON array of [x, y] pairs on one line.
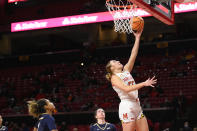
[[117, 82], [134, 52]]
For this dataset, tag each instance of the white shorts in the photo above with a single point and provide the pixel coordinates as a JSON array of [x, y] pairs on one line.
[[130, 110]]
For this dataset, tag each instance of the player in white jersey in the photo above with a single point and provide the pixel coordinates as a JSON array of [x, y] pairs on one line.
[[130, 112]]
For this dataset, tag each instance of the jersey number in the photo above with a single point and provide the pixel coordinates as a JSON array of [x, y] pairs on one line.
[[130, 83]]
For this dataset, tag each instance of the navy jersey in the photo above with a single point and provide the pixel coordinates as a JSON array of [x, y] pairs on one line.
[[102, 127], [3, 128], [46, 123]]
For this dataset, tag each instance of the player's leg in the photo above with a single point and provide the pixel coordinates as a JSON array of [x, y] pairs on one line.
[[127, 115], [128, 126], [142, 124]]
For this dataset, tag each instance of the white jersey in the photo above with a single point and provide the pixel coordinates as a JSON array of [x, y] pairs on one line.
[[127, 78], [129, 107]]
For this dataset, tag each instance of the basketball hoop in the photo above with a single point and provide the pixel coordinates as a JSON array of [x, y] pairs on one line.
[[122, 11]]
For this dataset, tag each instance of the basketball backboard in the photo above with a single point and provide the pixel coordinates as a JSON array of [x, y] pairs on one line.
[[161, 9]]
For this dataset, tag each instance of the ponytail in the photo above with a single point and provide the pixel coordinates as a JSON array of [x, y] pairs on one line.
[[108, 76], [33, 108], [109, 72], [36, 108]]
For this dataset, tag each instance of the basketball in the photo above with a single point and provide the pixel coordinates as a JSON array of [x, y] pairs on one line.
[[138, 23]]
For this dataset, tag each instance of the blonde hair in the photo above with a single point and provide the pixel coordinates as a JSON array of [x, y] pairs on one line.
[[109, 71], [32, 108], [36, 108]]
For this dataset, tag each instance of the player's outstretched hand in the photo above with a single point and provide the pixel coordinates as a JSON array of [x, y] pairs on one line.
[[138, 33], [150, 82]]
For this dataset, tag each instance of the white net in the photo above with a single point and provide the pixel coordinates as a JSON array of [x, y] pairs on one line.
[[122, 12]]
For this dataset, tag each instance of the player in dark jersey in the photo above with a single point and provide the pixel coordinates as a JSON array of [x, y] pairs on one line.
[[2, 128], [43, 110], [101, 124]]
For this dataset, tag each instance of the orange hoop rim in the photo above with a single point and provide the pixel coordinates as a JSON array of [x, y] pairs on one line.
[[119, 6]]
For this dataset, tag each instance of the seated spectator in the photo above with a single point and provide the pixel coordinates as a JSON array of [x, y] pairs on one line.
[[159, 90], [70, 98], [40, 95], [154, 93], [146, 103], [63, 126], [186, 126], [156, 126], [75, 129], [55, 98], [173, 73], [179, 103], [24, 127], [166, 103]]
